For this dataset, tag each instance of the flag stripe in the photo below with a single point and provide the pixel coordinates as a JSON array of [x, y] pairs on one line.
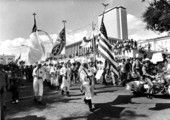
[[108, 51], [115, 70], [106, 42], [103, 29], [109, 57], [106, 56], [105, 47], [102, 43]]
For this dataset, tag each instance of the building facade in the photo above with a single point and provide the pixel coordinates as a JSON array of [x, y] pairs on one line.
[[73, 49], [115, 20], [76, 49], [157, 44], [5, 59]]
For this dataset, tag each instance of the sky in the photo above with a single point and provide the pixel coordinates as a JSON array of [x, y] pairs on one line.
[[16, 21]]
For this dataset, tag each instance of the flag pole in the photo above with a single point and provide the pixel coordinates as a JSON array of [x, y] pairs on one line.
[[93, 41], [105, 5]]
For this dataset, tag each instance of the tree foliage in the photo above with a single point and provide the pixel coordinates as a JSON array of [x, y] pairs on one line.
[[157, 16]]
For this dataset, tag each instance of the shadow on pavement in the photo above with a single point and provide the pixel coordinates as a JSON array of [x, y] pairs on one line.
[[131, 115], [105, 86], [29, 104], [73, 88], [160, 106], [162, 96], [74, 118], [126, 115], [107, 111], [30, 117], [74, 95], [123, 99], [105, 91], [104, 111]]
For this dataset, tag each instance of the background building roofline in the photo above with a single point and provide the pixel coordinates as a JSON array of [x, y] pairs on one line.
[[112, 9]]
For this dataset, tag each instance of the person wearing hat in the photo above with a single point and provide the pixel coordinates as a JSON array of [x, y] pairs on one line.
[[86, 82], [38, 74], [148, 77]]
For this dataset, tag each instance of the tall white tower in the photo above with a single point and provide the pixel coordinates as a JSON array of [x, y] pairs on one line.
[[115, 20]]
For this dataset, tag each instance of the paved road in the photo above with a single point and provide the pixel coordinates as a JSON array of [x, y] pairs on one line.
[[111, 103]]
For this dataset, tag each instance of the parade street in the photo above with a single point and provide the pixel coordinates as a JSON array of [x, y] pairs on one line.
[[111, 103]]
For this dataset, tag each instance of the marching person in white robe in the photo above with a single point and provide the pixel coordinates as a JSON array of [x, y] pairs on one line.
[[65, 86], [81, 81], [38, 75], [86, 81], [99, 74], [54, 79], [63, 70]]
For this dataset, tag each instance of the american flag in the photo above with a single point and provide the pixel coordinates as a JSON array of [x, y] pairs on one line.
[[57, 49], [105, 47]]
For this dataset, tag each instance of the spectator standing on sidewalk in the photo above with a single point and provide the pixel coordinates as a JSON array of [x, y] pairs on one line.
[[15, 84]]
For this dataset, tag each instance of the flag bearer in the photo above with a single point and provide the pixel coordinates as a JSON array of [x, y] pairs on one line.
[[38, 74], [86, 81]]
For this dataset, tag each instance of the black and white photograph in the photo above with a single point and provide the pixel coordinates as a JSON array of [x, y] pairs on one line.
[[84, 59]]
